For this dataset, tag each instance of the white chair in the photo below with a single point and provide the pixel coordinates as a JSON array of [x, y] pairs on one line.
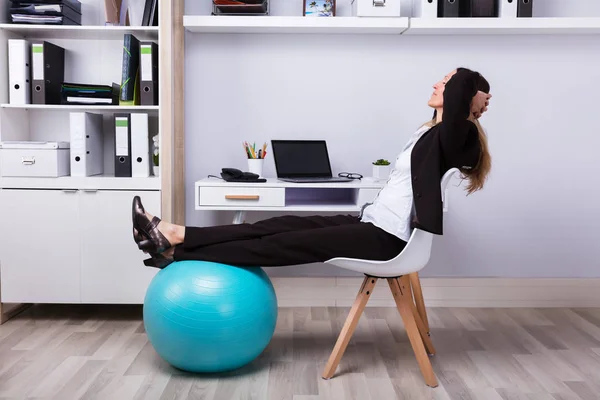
[[401, 273]]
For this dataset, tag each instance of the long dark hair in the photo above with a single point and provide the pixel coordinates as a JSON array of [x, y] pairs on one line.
[[477, 175]]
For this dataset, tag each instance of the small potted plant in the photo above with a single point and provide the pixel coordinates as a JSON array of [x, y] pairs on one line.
[[381, 169], [155, 151]]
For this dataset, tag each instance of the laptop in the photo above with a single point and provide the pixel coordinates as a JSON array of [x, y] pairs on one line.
[[303, 161]]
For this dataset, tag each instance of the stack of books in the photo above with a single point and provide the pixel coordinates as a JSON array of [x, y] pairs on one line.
[[45, 12], [75, 93]]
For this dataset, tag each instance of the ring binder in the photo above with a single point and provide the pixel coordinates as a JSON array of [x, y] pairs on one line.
[[19, 70], [48, 72]]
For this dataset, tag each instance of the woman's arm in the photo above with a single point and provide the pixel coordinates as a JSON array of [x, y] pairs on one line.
[[455, 127], [458, 94]]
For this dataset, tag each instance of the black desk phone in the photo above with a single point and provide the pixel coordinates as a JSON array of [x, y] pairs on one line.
[[235, 175]]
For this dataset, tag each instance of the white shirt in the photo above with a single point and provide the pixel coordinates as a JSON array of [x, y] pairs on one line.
[[393, 207]]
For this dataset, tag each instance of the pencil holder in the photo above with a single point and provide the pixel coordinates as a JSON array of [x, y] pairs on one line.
[[255, 165]]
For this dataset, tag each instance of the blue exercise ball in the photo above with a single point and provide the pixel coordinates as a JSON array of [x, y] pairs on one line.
[[209, 317]]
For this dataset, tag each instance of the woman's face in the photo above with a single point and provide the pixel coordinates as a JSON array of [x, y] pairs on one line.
[[437, 97]]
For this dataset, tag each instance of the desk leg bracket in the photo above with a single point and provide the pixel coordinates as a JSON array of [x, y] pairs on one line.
[[239, 217]]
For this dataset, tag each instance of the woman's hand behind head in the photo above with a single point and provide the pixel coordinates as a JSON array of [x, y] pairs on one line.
[[480, 104]]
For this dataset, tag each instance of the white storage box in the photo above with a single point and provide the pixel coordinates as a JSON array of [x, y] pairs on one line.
[[34, 159], [376, 8]]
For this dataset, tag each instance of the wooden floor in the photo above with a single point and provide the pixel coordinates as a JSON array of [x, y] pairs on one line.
[[93, 352]]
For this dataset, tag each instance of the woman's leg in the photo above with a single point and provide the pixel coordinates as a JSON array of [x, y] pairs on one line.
[[158, 238], [357, 240], [196, 237], [192, 237]]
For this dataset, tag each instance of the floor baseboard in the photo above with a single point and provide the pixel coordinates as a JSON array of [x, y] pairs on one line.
[[444, 292], [7, 311]]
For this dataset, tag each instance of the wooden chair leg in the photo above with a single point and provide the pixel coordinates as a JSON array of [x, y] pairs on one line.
[[349, 326], [405, 306], [420, 325], [415, 283]]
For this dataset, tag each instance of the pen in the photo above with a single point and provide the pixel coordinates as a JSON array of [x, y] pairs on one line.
[[259, 153]]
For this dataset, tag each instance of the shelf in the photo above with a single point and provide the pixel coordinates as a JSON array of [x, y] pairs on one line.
[[503, 26], [100, 182], [61, 107], [391, 26], [81, 32], [277, 24]]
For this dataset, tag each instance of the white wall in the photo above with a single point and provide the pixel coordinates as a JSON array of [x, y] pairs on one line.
[[539, 213]]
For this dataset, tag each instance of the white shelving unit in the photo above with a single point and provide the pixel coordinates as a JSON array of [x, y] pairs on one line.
[[98, 182], [69, 239], [276, 24], [390, 26], [79, 107], [99, 32], [503, 26]]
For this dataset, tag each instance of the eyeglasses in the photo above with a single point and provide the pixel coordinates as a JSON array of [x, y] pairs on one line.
[[350, 175]]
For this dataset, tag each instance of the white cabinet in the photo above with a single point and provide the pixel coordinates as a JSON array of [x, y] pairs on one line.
[[72, 247], [112, 268], [68, 239], [39, 246]]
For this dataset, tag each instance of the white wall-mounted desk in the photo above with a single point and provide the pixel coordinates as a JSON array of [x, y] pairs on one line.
[[213, 194]]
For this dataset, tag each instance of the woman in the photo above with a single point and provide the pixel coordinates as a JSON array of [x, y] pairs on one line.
[[410, 199]]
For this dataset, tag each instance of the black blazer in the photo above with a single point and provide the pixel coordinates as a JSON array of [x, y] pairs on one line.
[[454, 142]]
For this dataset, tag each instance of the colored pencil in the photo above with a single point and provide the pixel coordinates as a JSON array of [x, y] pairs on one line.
[[251, 151]]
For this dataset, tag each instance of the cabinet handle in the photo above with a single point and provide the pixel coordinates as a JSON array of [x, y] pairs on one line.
[[90, 190], [70, 190], [241, 197], [28, 161]]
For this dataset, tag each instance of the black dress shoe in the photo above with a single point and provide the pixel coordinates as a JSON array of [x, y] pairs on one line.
[[145, 232]]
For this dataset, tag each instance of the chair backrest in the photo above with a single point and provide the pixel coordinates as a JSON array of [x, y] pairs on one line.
[[418, 249], [413, 258], [444, 185]]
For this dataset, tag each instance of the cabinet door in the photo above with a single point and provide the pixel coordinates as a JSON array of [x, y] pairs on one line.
[[39, 246], [112, 268]]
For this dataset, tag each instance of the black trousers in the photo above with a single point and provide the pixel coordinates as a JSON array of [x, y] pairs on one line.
[[288, 240]]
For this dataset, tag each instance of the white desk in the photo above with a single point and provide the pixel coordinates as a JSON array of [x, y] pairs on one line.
[[213, 194]]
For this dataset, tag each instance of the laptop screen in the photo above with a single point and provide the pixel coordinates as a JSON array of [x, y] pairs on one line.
[[301, 158]]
